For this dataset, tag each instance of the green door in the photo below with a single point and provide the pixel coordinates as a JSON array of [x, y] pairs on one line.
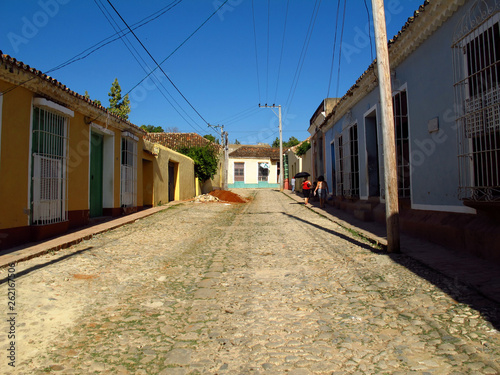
[[96, 148]]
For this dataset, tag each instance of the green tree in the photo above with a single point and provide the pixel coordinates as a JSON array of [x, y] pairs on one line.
[[118, 105], [302, 149], [236, 142], [211, 138], [205, 158], [152, 128], [292, 141], [87, 96]]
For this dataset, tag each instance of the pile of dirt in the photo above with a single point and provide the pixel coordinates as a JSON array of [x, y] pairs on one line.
[[228, 196]]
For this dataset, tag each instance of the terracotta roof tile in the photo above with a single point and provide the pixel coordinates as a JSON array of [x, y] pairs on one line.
[[175, 141], [256, 152], [10, 62]]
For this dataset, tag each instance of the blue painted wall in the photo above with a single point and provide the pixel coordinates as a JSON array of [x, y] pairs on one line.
[[427, 75]]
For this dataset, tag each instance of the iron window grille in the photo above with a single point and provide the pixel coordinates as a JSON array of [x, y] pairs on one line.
[[476, 66], [128, 185], [49, 151], [347, 156], [400, 105]]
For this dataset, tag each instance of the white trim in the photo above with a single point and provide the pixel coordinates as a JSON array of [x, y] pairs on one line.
[[28, 201], [102, 130], [127, 134], [42, 102], [442, 208]]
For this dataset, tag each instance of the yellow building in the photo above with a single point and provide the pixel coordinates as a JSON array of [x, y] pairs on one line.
[[167, 175], [63, 158], [254, 167]]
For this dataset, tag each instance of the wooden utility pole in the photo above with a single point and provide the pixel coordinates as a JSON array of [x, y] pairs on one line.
[[388, 133]]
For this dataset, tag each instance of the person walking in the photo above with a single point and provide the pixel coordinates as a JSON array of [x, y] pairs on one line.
[[321, 190], [293, 184], [306, 189]]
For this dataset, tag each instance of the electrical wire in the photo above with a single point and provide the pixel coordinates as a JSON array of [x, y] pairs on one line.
[[143, 65], [180, 45], [157, 64], [334, 49], [369, 30], [255, 43], [340, 51], [281, 54], [302, 56], [268, 38], [115, 37]]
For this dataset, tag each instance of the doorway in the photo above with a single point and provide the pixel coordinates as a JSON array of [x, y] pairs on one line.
[[96, 174], [372, 154], [172, 180]]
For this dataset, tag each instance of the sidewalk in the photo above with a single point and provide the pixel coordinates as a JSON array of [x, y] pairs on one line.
[[479, 274], [32, 250]]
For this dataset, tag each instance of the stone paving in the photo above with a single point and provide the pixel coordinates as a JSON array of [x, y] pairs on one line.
[[268, 287]]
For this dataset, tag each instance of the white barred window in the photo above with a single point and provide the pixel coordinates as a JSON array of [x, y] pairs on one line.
[[347, 159], [128, 191], [49, 163], [476, 59]]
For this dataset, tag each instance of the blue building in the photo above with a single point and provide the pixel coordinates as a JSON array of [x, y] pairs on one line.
[[445, 70]]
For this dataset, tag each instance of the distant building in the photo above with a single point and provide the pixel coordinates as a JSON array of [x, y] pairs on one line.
[[175, 141], [254, 167]]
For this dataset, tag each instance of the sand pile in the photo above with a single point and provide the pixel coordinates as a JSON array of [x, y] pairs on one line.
[[228, 196]]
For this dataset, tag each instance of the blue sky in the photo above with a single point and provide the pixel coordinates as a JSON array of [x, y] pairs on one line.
[[224, 70]]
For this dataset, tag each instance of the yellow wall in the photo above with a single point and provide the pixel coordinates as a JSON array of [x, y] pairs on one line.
[[14, 166], [78, 164], [185, 178]]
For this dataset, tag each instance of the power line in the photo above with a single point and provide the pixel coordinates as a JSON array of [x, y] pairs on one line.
[[144, 65], [180, 45], [302, 56], [340, 51], [334, 48], [268, 37], [369, 30], [106, 41], [255, 43], [158, 65], [281, 54]]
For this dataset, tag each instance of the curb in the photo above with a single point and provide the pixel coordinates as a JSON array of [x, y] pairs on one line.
[[23, 253]]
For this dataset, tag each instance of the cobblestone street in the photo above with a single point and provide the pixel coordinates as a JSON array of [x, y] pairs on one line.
[[267, 287]]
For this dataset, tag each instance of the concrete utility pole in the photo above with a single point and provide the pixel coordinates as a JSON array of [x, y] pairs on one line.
[[281, 140], [223, 178], [225, 160], [388, 132]]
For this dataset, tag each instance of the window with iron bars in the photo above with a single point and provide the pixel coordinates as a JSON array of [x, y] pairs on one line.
[[400, 107], [49, 167], [476, 65], [128, 191]]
